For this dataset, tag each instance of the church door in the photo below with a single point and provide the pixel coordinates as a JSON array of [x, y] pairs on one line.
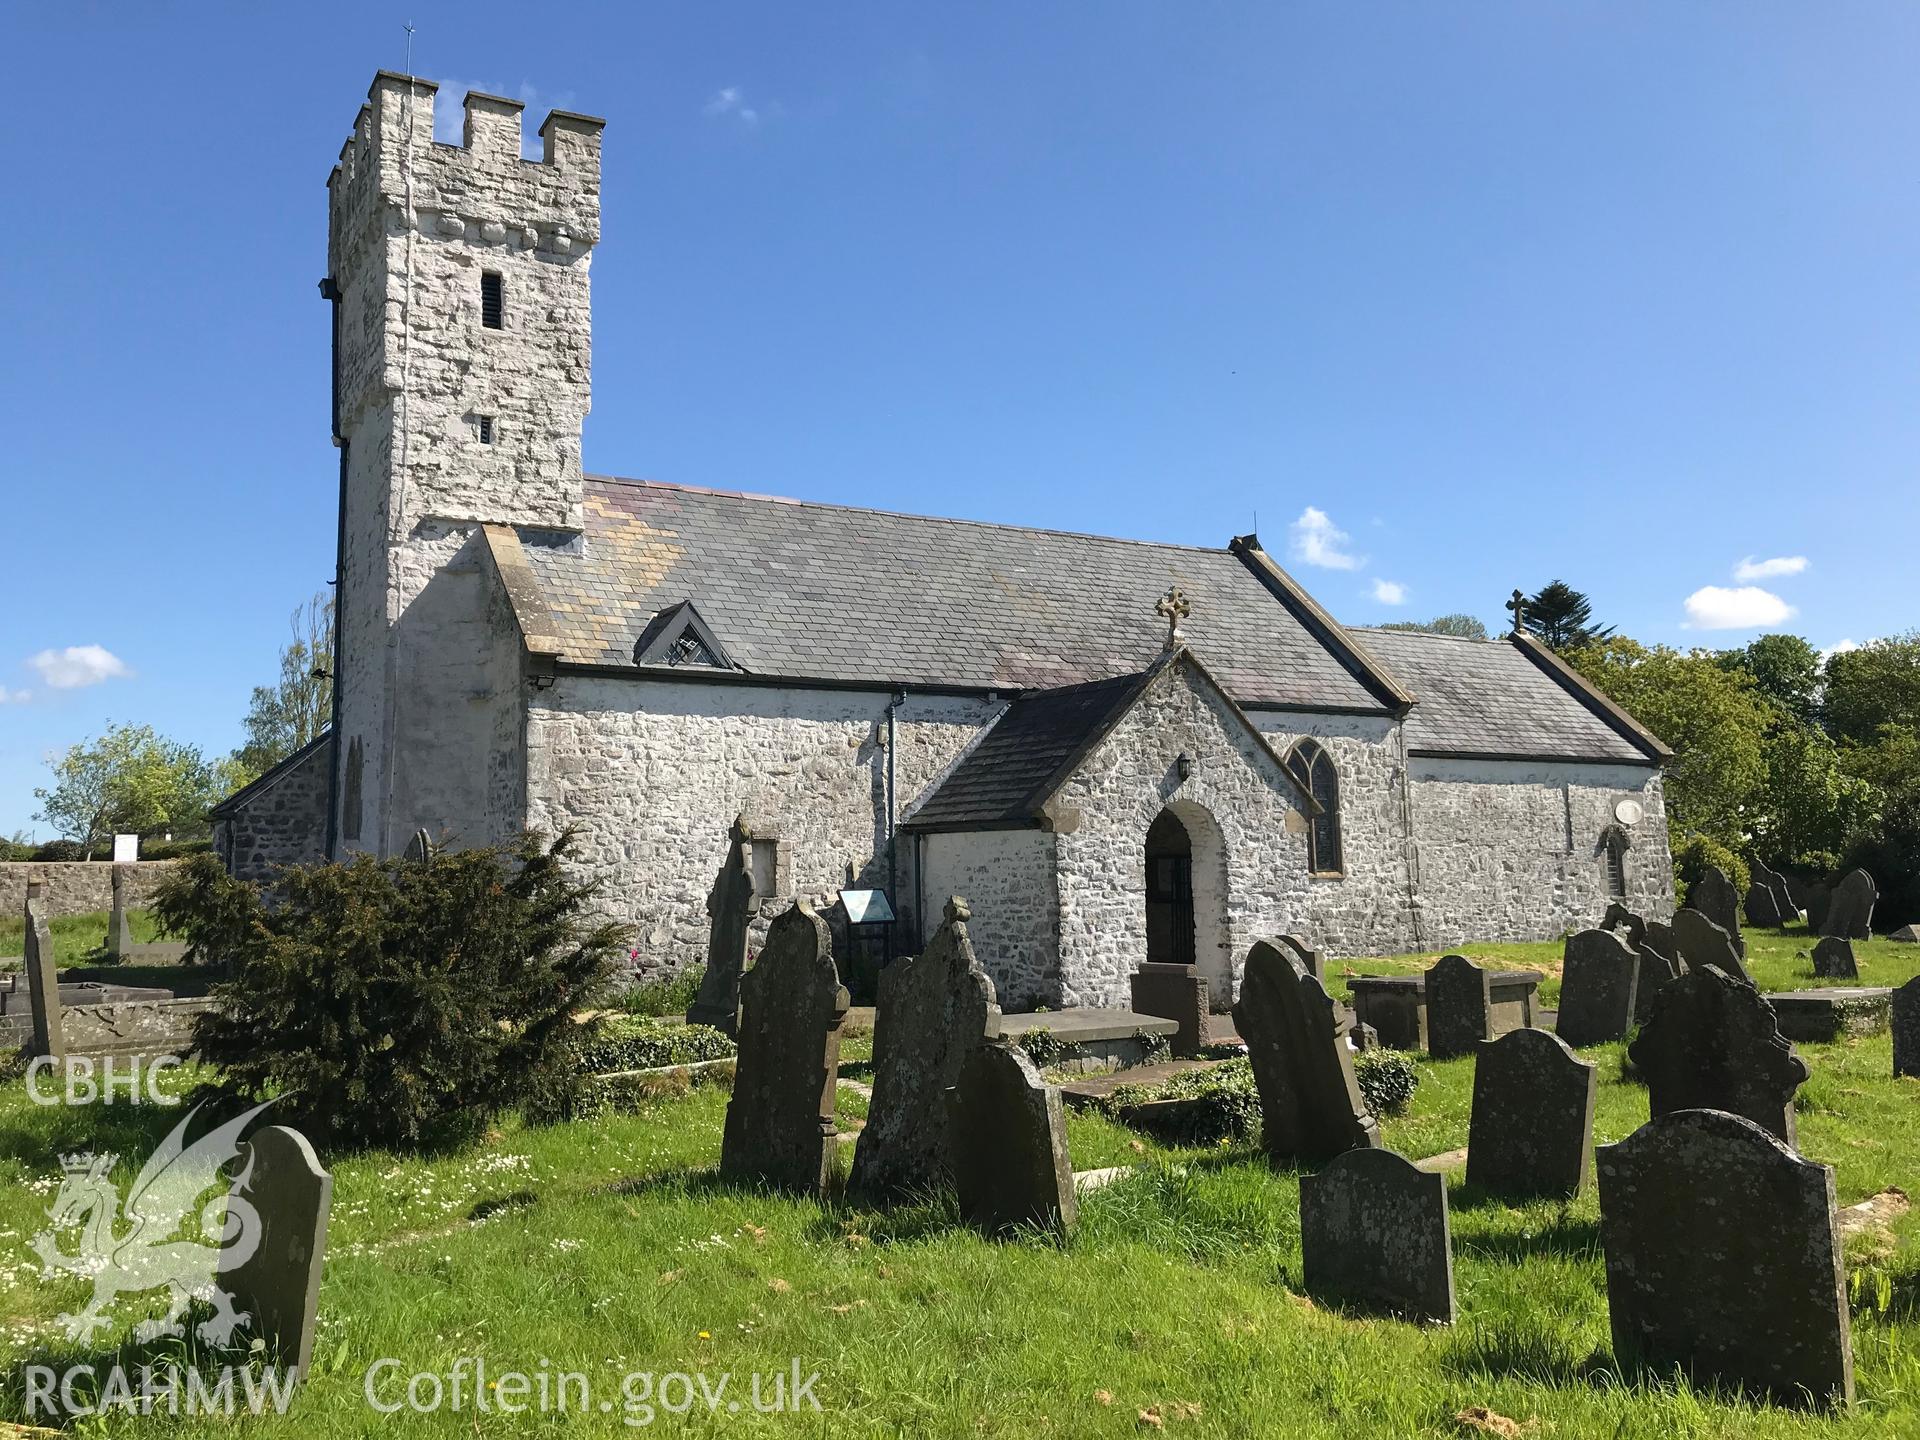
[[1169, 892]]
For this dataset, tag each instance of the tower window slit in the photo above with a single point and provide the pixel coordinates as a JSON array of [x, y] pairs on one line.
[[492, 300]]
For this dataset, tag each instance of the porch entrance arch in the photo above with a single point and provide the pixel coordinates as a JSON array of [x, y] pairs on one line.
[[1186, 895]]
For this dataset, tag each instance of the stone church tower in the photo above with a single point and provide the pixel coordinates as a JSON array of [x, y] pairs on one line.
[[462, 355]]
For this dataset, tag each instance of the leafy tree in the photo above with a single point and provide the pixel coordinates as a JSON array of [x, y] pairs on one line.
[[1785, 668], [1811, 809], [1715, 720], [289, 713], [1465, 626], [1873, 687], [130, 780], [1560, 617]]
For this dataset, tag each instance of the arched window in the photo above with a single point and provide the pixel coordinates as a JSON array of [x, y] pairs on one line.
[[1613, 847], [1313, 768]]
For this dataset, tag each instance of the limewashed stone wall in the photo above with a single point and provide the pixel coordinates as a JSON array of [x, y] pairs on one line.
[[283, 824], [1008, 879]]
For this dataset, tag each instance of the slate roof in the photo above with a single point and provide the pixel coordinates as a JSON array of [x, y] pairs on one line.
[[1488, 697], [827, 592]]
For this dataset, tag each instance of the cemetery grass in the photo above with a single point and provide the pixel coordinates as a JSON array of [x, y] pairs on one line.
[[77, 939], [612, 1247]]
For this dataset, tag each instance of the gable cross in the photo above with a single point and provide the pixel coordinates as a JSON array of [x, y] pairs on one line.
[[1518, 605], [1176, 607]]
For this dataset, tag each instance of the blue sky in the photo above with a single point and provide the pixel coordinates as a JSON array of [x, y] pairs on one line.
[[1453, 298]]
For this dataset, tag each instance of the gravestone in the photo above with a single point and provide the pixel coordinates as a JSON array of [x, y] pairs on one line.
[[1704, 943], [933, 1009], [1656, 970], [1906, 1028], [1850, 914], [1179, 993], [420, 848], [1907, 935], [1819, 902], [1833, 957], [1374, 1232], [1297, 1042], [119, 932], [277, 1281], [1723, 1260], [1713, 896], [1598, 981], [1312, 961], [1619, 917], [1661, 937], [1011, 1165], [730, 912], [1768, 903], [1712, 1043], [1532, 1127], [43, 978], [780, 1128], [1458, 1007]]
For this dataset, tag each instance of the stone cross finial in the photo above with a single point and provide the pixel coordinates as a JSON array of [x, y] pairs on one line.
[[1176, 607], [1518, 605]]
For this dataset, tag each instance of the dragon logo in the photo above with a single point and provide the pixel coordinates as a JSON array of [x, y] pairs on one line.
[[152, 1254]]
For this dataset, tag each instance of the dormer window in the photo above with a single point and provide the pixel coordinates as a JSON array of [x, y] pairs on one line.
[[493, 300], [680, 638]]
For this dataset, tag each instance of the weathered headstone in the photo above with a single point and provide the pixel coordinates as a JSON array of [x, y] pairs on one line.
[[1768, 903], [1179, 993], [1374, 1232], [1661, 937], [1833, 957], [1907, 935], [1723, 1260], [119, 932], [1312, 961], [1703, 943], [276, 1281], [1458, 1007], [1011, 1165], [1656, 970], [420, 848], [1906, 1028], [43, 978], [1619, 917], [933, 1010], [1297, 1042], [1712, 1043], [1598, 981], [1532, 1126], [1819, 902], [1850, 915], [780, 1127], [730, 912], [1713, 896]]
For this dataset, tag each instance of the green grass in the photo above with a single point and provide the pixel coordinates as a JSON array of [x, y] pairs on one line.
[[611, 1246], [77, 939]]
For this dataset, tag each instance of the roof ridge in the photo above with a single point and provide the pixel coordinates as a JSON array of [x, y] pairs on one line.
[[1427, 634], [906, 514]]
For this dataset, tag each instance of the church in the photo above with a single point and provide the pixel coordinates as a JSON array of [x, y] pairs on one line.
[[1118, 751]]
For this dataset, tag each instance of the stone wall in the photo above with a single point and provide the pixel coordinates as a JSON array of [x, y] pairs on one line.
[[78, 887], [651, 773], [284, 823], [1512, 849], [1007, 877]]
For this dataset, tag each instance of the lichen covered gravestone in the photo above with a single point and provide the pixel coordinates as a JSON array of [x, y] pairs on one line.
[[1532, 1127], [1296, 1039], [1374, 1232], [1833, 958], [1768, 902], [1458, 1006], [780, 1124], [729, 911], [1599, 976], [1657, 970], [1713, 896], [43, 979], [933, 1010], [1723, 1259], [1906, 1028], [1702, 942], [1712, 1043], [1850, 912], [1011, 1165], [276, 1281], [1619, 917]]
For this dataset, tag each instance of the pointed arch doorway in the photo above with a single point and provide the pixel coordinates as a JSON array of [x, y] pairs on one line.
[[1169, 892], [1186, 895]]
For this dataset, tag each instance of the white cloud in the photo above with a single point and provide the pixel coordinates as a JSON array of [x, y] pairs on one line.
[[1316, 540], [731, 100], [1750, 569], [1840, 647], [450, 111], [1714, 607], [77, 666], [14, 697], [1389, 592]]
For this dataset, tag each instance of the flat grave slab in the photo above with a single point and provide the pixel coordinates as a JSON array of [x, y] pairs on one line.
[[1832, 1012]]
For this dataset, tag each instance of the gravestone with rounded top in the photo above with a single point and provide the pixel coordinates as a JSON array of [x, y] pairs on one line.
[[1459, 1007], [1723, 1260], [1850, 912], [1713, 1043], [1598, 981], [1310, 960], [1532, 1128], [1656, 970], [730, 911], [1768, 903], [932, 1011], [276, 1281], [1619, 917], [1833, 958], [1703, 943], [1375, 1234], [780, 1121], [1011, 1164], [1713, 896], [1906, 1028], [1296, 1039]]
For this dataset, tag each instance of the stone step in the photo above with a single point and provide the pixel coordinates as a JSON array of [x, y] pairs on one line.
[[1082, 1094]]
